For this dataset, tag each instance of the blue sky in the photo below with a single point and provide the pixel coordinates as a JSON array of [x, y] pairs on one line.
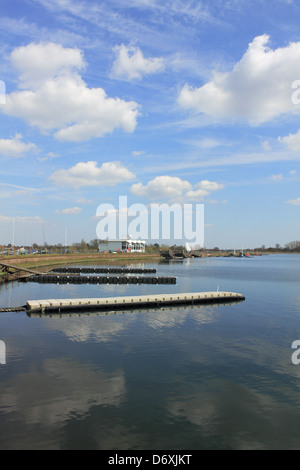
[[191, 102]]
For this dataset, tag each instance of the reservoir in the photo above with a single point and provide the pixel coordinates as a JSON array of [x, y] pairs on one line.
[[221, 376]]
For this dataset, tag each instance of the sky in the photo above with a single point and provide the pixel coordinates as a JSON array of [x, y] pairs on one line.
[[162, 102]]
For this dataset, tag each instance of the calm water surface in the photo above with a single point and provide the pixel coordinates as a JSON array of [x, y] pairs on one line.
[[215, 377]]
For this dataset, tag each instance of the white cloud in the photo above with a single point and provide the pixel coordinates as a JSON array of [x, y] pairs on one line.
[[89, 174], [39, 62], [292, 141], [202, 189], [278, 177], [209, 185], [208, 143], [161, 187], [49, 156], [9, 191], [15, 147], [69, 210], [53, 97], [5, 218], [172, 187], [32, 219], [131, 64], [197, 194], [266, 145], [84, 201], [295, 202], [258, 89], [215, 201]]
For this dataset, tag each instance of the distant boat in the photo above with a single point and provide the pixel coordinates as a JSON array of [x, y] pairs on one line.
[[187, 247]]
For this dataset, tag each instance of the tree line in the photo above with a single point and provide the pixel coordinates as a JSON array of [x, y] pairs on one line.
[[92, 246]]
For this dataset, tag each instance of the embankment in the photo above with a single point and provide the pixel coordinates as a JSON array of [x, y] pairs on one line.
[[46, 262]]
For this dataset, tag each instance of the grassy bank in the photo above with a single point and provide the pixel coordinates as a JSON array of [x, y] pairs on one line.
[[37, 261]]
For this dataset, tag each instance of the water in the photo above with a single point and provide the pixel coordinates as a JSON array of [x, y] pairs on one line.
[[215, 377]]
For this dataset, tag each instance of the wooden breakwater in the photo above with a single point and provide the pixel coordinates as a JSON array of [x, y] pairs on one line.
[[78, 279], [108, 270], [15, 273], [179, 254], [15, 270]]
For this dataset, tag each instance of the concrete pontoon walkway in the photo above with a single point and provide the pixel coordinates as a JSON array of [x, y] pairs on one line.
[[139, 301]]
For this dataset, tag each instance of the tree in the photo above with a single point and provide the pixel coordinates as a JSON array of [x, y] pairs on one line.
[[293, 246], [94, 244], [83, 246]]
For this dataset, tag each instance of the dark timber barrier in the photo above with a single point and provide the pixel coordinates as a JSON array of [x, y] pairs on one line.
[[105, 270], [60, 279]]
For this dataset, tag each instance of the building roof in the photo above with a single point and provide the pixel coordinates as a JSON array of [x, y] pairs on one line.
[[125, 240]]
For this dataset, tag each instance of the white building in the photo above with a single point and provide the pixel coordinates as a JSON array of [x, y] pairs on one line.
[[134, 246]]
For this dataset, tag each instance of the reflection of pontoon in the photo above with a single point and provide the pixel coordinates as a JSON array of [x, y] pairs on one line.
[[95, 312]]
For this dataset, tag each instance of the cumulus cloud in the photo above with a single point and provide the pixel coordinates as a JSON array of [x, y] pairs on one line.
[[295, 202], [36, 63], [161, 187], [89, 174], [204, 188], [292, 141], [209, 185], [172, 187], [15, 148], [257, 89], [53, 97], [131, 64]]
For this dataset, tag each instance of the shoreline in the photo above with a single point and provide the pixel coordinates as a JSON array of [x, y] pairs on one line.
[[47, 262], [36, 262]]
